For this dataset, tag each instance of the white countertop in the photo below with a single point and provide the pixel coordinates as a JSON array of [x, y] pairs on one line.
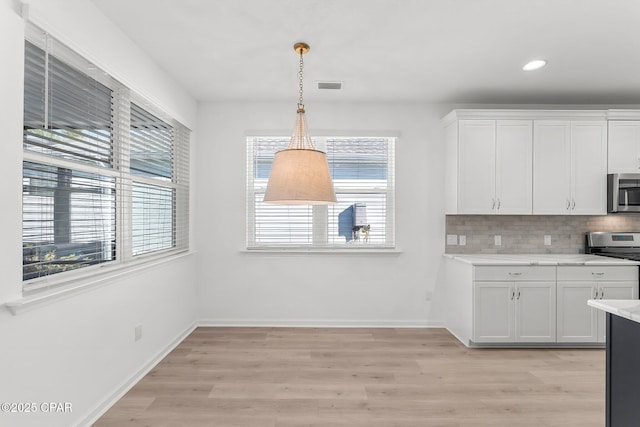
[[539, 259], [629, 309]]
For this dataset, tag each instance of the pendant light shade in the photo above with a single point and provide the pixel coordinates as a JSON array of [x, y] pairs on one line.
[[300, 173]]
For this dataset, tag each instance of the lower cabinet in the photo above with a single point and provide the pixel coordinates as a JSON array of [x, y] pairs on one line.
[[579, 323], [514, 305], [494, 305], [546, 304]]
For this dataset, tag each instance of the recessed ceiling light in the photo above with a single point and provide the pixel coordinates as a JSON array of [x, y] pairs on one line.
[[534, 65]]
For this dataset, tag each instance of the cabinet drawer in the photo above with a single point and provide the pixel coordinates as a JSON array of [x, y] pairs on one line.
[[515, 273], [598, 273]]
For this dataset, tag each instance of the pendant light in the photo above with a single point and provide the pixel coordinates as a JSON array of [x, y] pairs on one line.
[[300, 173]]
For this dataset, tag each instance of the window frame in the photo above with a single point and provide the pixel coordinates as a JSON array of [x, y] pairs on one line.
[[118, 169], [320, 213]]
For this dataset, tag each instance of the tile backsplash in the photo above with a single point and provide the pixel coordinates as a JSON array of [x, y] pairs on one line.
[[525, 233]]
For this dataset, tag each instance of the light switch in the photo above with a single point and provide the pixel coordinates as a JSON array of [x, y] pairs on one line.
[[452, 239], [547, 240], [462, 240], [497, 240]]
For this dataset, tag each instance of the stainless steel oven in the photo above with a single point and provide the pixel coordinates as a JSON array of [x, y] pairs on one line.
[[625, 245], [623, 192]]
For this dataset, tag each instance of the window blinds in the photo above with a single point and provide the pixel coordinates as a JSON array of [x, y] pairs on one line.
[[106, 174], [152, 145], [153, 205], [362, 170], [67, 113]]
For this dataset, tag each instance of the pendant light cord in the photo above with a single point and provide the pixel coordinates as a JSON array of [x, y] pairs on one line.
[[300, 85]]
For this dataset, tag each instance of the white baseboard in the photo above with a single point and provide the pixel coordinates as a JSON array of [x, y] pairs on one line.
[[117, 394], [321, 323]]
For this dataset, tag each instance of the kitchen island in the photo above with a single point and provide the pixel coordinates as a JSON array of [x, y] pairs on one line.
[[623, 361]]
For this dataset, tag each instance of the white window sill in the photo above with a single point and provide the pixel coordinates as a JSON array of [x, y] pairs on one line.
[[297, 250], [43, 297]]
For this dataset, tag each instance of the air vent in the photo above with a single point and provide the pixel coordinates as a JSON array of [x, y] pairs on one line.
[[330, 85]]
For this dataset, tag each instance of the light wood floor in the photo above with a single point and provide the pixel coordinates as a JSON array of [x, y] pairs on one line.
[[286, 377]]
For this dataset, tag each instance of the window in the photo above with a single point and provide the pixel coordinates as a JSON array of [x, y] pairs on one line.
[[362, 169], [151, 163], [105, 175]]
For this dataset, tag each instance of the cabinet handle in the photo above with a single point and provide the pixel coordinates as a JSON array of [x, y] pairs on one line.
[[515, 274], [518, 294], [597, 273], [498, 204], [601, 293], [568, 204], [493, 205], [596, 295], [573, 204], [513, 294]]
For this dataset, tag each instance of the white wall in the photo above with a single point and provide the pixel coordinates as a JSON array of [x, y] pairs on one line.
[[236, 287], [80, 349]]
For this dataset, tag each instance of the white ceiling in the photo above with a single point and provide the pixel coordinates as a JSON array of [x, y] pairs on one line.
[[440, 51]]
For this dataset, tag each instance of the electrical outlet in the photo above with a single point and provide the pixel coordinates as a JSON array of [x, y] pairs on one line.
[[497, 240], [547, 240], [138, 332], [462, 240], [452, 239]]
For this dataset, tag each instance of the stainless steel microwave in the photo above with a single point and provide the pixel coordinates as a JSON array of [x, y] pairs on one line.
[[623, 192]]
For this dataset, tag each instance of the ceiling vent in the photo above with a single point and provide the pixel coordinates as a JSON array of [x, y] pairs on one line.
[[330, 85]]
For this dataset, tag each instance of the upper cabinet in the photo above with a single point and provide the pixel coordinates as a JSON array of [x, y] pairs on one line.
[[493, 167], [523, 162], [624, 146], [513, 166], [570, 167], [476, 166]]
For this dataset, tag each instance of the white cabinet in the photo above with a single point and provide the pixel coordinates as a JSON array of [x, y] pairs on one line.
[[514, 166], [525, 304], [523, 162], [493, 312], [494, 166], [551, 167], [569, 167], [589, 168], [476, 166], [514, 305], [624, 146], [577, 322], [535, 311], [613, 290]]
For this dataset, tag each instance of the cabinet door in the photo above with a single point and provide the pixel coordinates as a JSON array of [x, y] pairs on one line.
[[476, 166], [535, 311], [613, 290], [551, 167], [589, 168], [624, 146], [577, 322], [493, 312], [514, 159]]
